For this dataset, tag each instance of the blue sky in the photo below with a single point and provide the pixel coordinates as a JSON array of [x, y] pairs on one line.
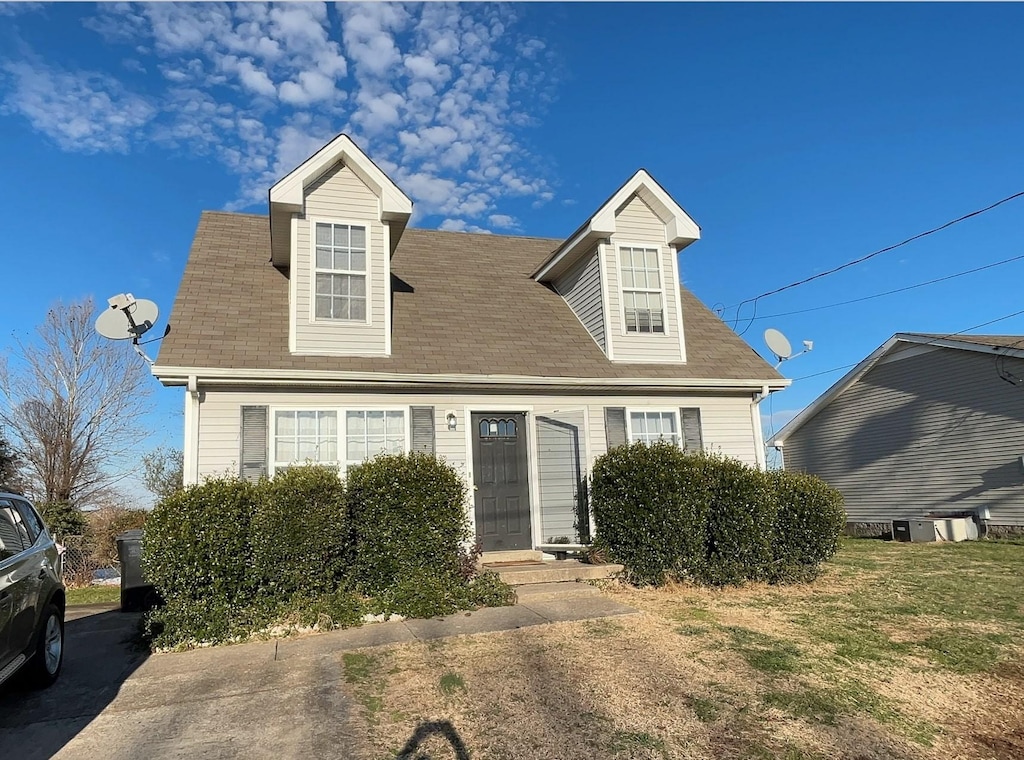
[[798, 136]]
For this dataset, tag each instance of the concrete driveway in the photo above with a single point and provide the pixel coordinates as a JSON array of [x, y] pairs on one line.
[[114, 702]]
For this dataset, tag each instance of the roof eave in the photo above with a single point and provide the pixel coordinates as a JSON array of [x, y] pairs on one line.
[[178, 375]]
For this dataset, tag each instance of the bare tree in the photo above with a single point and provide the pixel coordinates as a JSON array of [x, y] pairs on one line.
[[10, 466], [162, 471], [73, 400]]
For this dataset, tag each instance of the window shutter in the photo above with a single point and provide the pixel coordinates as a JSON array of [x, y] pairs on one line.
[[689, 421], [253, 450], [615, 425], [422, 427]]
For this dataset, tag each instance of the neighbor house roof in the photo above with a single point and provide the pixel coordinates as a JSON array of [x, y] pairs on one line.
[[464, 304], [1010, 345]]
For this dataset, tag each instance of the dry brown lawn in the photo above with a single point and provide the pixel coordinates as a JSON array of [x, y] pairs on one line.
[[898, 651]]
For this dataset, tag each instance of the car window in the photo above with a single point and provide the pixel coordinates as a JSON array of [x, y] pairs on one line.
[[12, 537], [33, 523]]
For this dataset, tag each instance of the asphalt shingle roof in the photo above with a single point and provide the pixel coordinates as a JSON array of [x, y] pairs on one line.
[[463, 304]]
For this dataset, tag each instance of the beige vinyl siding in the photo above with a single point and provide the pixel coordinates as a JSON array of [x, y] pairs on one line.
[[581, 289], [339, 195], [931, 429], [725, 419], [637, 224]]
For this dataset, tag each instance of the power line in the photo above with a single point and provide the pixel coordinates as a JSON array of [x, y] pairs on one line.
[[862, 259], [891, 292], [929, 343]]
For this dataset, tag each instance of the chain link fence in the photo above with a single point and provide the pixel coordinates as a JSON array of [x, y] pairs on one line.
[[84, 566]]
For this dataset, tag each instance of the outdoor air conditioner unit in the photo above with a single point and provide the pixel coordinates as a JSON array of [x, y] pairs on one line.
[[938, 529]]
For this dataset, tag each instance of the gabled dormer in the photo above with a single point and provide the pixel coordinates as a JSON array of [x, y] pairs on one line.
[[619, 273], [335, 221]]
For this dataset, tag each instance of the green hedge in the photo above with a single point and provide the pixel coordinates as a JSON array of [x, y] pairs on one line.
[[808, 522], [197, 543], [408, 520], [665, 513], [232, 558], [300, 532], [646, 516]]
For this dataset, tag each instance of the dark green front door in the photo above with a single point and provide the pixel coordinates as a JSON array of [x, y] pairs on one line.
[[501, 486]]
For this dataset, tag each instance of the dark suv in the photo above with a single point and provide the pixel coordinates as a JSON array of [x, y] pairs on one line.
[[31, 595]]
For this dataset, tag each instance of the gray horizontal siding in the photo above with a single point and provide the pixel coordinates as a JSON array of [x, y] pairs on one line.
[[923, 431], [581, 288], [561, 443]]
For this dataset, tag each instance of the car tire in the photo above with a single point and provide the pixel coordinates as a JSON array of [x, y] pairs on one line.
[[48, 658]]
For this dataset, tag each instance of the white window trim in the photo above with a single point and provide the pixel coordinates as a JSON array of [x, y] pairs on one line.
[[616, 252], [653, 410], [342, 463], [368, 226]]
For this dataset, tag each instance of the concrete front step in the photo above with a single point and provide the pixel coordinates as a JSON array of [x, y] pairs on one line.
[[518, 555], [558, 571], [546, 592]]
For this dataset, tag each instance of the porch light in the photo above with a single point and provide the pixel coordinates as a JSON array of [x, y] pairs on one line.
[[452, 419]]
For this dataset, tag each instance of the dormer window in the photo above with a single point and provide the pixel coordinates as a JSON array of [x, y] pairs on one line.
[[340, 271], [642, 295]]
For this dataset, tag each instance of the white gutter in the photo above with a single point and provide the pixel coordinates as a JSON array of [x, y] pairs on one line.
[[222, 376], [755, 422], [190, 453]]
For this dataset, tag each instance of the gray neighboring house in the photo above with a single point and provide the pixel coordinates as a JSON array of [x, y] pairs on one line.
[[926, 423], [328, 332]]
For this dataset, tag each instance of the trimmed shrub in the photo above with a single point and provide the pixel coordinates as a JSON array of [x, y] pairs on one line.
[[809, 520], [197, 543], [300, 532], [739, 524], [62, 519], [665, 513], [650, 505], [408, 514]]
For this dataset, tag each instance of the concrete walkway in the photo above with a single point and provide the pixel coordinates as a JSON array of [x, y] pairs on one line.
[[272, 699]]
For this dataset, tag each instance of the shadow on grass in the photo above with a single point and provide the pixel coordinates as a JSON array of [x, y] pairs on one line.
[[425, 731]]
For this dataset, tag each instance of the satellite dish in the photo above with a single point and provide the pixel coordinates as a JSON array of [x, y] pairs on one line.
[[113, 325], [127, 318], [778, 343]]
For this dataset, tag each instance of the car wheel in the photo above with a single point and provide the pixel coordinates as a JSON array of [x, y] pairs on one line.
[[45, 665]]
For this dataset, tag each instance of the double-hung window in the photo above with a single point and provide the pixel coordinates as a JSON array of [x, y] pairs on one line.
[[648, 427], [340, 287], [643, 299], [302, 437], [338, 437], [369, 433]]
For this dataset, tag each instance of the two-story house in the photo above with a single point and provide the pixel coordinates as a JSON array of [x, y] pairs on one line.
[[329, 331]]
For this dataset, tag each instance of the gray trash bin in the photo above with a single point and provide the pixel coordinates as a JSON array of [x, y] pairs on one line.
[[136, 593]]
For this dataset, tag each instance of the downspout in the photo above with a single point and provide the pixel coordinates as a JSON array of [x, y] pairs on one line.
[[190, 453], [755, 422]]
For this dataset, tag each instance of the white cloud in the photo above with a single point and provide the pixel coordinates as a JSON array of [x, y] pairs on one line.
[[86, 112], [255, 79], [502, 221], [437, 94]]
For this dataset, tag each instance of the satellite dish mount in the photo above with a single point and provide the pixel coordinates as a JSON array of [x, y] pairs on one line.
[[129, 318], [779, 345]]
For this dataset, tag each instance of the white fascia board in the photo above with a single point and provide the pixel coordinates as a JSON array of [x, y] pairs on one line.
[[289, 190], [217, 375], [962, 345], [680, 229]]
